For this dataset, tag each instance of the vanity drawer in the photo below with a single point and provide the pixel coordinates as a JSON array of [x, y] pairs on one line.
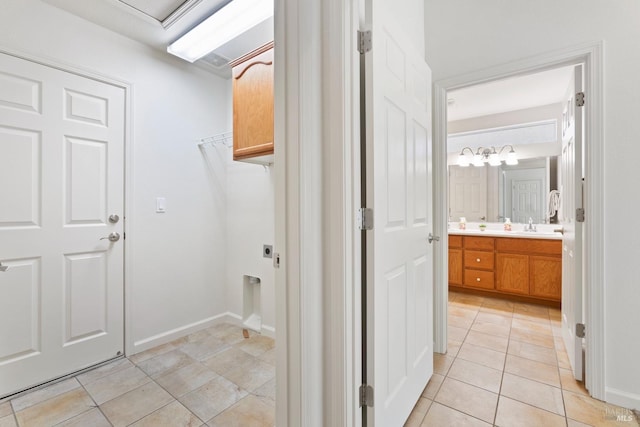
[[479, 243], [478, 259], [529, 246], [478, 279]]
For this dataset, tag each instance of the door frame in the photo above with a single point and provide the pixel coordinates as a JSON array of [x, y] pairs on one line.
[[317, 187], [128, 343], [591, 55]]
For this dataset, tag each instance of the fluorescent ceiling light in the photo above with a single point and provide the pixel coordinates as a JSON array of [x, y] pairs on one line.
[[224, 25]]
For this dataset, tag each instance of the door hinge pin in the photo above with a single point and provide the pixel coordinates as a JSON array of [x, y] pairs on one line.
[[580, 215], [364, 41], [364, 219], [580, 330], [366, 395], [580, 99]]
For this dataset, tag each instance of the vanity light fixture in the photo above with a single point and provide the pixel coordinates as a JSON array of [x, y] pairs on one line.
[[487, 155], [226, 24]]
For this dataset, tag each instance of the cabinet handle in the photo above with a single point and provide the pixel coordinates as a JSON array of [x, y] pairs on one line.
[[477, 279], [477, 259]]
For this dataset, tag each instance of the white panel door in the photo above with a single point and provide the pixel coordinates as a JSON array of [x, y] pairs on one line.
[[571, 193], [62, 176], [525, 200], [399, 353], [468, 193]]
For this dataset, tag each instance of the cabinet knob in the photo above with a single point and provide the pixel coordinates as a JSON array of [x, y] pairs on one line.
[[477, 259], [477, 279]]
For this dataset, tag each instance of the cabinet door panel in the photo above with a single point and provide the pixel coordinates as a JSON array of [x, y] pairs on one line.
[[546, 277], [512, 273], [455, 266], [253, 104]]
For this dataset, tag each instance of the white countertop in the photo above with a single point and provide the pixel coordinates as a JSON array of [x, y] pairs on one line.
[[516, 232]]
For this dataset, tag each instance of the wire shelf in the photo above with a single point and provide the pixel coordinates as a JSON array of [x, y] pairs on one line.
[[225, 139]]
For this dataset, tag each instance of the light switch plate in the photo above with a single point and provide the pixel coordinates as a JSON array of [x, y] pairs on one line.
[[161, 205]]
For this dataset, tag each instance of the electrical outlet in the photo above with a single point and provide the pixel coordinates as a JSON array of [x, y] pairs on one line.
[[267, 251]]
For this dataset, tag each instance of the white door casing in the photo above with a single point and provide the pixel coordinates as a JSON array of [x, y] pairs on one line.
[[399, 260], [571, 193], [468, 193], [62, 174]]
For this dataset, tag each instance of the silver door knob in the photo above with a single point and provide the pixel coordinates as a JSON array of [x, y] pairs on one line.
[[112, 237], [114, 218], [431, 238], [3, 268]]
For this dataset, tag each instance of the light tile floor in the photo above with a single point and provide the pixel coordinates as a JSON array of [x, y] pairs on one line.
[[506, 366], [214, 377]]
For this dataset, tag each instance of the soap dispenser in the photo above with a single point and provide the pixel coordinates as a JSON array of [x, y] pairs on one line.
[[507, 224], [463, 223]]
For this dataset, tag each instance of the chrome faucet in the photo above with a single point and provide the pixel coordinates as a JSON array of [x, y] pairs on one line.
[[530, 226]]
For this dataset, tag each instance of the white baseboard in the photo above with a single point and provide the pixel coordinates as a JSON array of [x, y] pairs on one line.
[[622, 398], [182, 331]]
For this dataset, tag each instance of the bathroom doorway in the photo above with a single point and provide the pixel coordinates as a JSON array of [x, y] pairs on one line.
[[509, 74]]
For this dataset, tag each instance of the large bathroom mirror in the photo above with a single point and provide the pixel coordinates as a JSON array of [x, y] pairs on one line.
[[493, 193]]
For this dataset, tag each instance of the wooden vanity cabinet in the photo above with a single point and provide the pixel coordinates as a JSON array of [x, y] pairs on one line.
[[455, 260], [253, 100], [531, 267], [528, 269]]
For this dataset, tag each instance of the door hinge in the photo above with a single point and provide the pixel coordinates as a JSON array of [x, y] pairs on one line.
[[580, 99], [365, 219], [364, 41], [580, 215], [580, 330], [366, 396]]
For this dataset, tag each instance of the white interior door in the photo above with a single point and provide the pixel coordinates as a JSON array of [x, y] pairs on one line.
[[571, 191], [525, 200], [468, 193], [399, 259], [62, 176]]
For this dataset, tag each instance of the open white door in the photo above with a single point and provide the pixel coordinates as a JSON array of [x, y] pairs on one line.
[[61, 196], [571, 191], [399, 259]]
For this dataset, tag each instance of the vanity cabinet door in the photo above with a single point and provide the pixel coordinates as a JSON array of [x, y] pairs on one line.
[[546, 277], [512, 273], [455, 266]]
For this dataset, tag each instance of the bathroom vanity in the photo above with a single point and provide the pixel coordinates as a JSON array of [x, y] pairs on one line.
[[524, 266]]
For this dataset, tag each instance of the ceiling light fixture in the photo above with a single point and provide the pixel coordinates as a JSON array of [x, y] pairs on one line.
[[226, 24], [487, 155]]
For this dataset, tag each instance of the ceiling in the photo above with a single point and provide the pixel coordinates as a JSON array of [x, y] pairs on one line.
[[157, 23], [510, 94]]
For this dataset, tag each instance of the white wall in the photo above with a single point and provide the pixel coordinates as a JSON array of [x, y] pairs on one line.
[[178, 273], [250, 224], [463, 36]]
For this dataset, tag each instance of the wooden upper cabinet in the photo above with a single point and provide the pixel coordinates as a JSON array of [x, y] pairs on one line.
[[253, 104]]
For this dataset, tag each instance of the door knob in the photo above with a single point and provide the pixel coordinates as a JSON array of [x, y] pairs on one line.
[[3, 268], [112, 237], [431, 238]]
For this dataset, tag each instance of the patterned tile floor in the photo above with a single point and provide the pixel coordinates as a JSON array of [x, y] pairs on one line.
[[507, 366], [214, 377]]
